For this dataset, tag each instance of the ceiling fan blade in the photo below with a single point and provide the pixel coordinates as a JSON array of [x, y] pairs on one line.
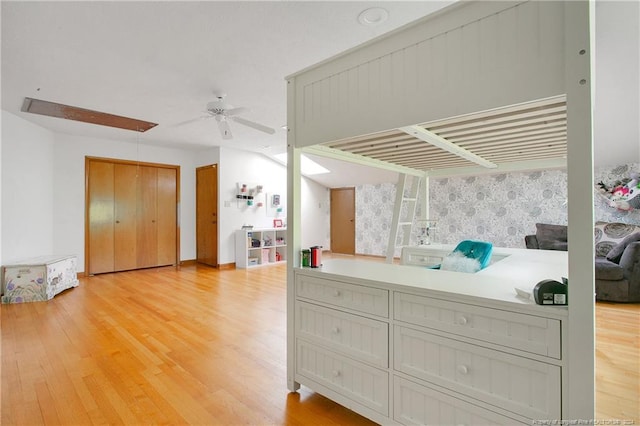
[[253, 125], [193, 120], [225, 130], [235, 111]]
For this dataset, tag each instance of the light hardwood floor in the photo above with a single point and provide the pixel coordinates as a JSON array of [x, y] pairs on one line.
[[197, 345]]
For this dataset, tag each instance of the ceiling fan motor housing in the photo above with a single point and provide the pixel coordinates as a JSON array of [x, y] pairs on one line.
[[217, 107]]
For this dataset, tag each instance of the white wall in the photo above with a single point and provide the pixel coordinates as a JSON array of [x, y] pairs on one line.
[[251, 168], [617, 91], [43, 188], [69, 187], [27, 190], [43, 191], [316, 207]]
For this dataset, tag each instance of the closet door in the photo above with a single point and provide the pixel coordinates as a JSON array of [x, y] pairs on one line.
[[147, 226], [131, 215], [125, 234], [100, 200], [167, 203]]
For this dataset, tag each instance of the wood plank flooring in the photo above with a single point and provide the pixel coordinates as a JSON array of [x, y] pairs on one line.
[[202, 346], [618, 361]]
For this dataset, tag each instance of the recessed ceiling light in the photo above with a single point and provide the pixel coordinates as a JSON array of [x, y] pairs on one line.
[[373, 16]]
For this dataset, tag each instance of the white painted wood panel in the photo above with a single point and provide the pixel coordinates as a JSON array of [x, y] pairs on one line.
[[435, 71], [522, 386], [415, 404], [519, 331], [358, 298], [352, 335], [356, 381]]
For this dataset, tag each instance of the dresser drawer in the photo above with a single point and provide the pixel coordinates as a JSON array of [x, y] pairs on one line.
[[354, 297], [519, 331], [520, 385], [415, 404], [354, 380], [420, 257], [361, 338]]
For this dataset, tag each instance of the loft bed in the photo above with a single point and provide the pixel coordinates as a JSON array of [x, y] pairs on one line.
[[530, 135], [479, 87]]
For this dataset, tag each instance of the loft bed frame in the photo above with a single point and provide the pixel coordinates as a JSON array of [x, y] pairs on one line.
[[479, 87]]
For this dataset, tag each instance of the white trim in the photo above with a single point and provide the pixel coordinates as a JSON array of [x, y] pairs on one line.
[[579, 401]]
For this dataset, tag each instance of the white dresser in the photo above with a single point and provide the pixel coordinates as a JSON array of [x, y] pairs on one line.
[[38, 279], [407, 345]]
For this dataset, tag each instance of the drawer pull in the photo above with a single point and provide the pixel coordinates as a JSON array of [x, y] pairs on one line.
[[463, 320], [335, 330], [462, 369], [336, 373], [336, 293]]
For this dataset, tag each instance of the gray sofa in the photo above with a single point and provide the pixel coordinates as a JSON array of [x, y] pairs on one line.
[[617, 261]]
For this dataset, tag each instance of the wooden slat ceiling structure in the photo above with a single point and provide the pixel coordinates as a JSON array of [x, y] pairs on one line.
[[532, 131]]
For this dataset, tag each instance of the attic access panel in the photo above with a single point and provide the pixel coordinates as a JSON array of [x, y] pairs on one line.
[[68, 112], [529, 131]]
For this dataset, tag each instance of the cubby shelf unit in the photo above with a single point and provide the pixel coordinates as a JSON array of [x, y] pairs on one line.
[[258, 247]]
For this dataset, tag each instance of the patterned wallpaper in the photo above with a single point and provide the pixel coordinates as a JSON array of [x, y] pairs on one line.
[[500, 208]]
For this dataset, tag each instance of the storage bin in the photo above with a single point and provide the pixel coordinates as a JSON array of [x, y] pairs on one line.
[[38, 279]]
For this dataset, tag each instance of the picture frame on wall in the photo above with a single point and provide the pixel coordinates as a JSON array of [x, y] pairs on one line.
[[277, 223]]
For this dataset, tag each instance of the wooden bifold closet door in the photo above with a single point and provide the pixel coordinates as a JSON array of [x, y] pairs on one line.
[[131, 215]]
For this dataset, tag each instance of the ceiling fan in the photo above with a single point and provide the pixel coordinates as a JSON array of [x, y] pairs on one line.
[[224, 112]]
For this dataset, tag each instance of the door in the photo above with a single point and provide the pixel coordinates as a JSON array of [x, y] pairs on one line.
[[125, 205], [343, 226], [207, 215], [147, 227], [167, 215], [100, 214]]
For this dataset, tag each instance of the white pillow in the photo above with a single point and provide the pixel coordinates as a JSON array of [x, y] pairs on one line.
[[458, 262]]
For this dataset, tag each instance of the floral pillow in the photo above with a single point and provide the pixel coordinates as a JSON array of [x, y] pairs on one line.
[[607, 235]]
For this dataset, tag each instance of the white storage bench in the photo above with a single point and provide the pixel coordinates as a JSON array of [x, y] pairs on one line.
[[38, 279]]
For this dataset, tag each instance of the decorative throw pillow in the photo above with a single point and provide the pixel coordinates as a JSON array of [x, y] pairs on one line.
[[609, 234], [615, 254], [458, 262], [551, 237]]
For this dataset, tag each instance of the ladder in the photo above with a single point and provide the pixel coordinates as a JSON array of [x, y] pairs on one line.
[[403, 213]]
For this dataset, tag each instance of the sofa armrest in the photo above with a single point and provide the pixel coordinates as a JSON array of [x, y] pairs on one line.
[[531, 241], [630, 262]]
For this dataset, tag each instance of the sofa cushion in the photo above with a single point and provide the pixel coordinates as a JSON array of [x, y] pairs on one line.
[[609, 234], [615, 253], [607, 270], [551, 237]]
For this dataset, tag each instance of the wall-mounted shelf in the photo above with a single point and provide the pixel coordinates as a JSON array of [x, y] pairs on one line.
[[256, 247]]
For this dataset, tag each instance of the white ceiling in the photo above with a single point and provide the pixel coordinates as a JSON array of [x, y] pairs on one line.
[[163, 61]]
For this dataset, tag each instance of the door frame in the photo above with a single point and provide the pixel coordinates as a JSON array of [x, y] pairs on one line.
[[87, 203]]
